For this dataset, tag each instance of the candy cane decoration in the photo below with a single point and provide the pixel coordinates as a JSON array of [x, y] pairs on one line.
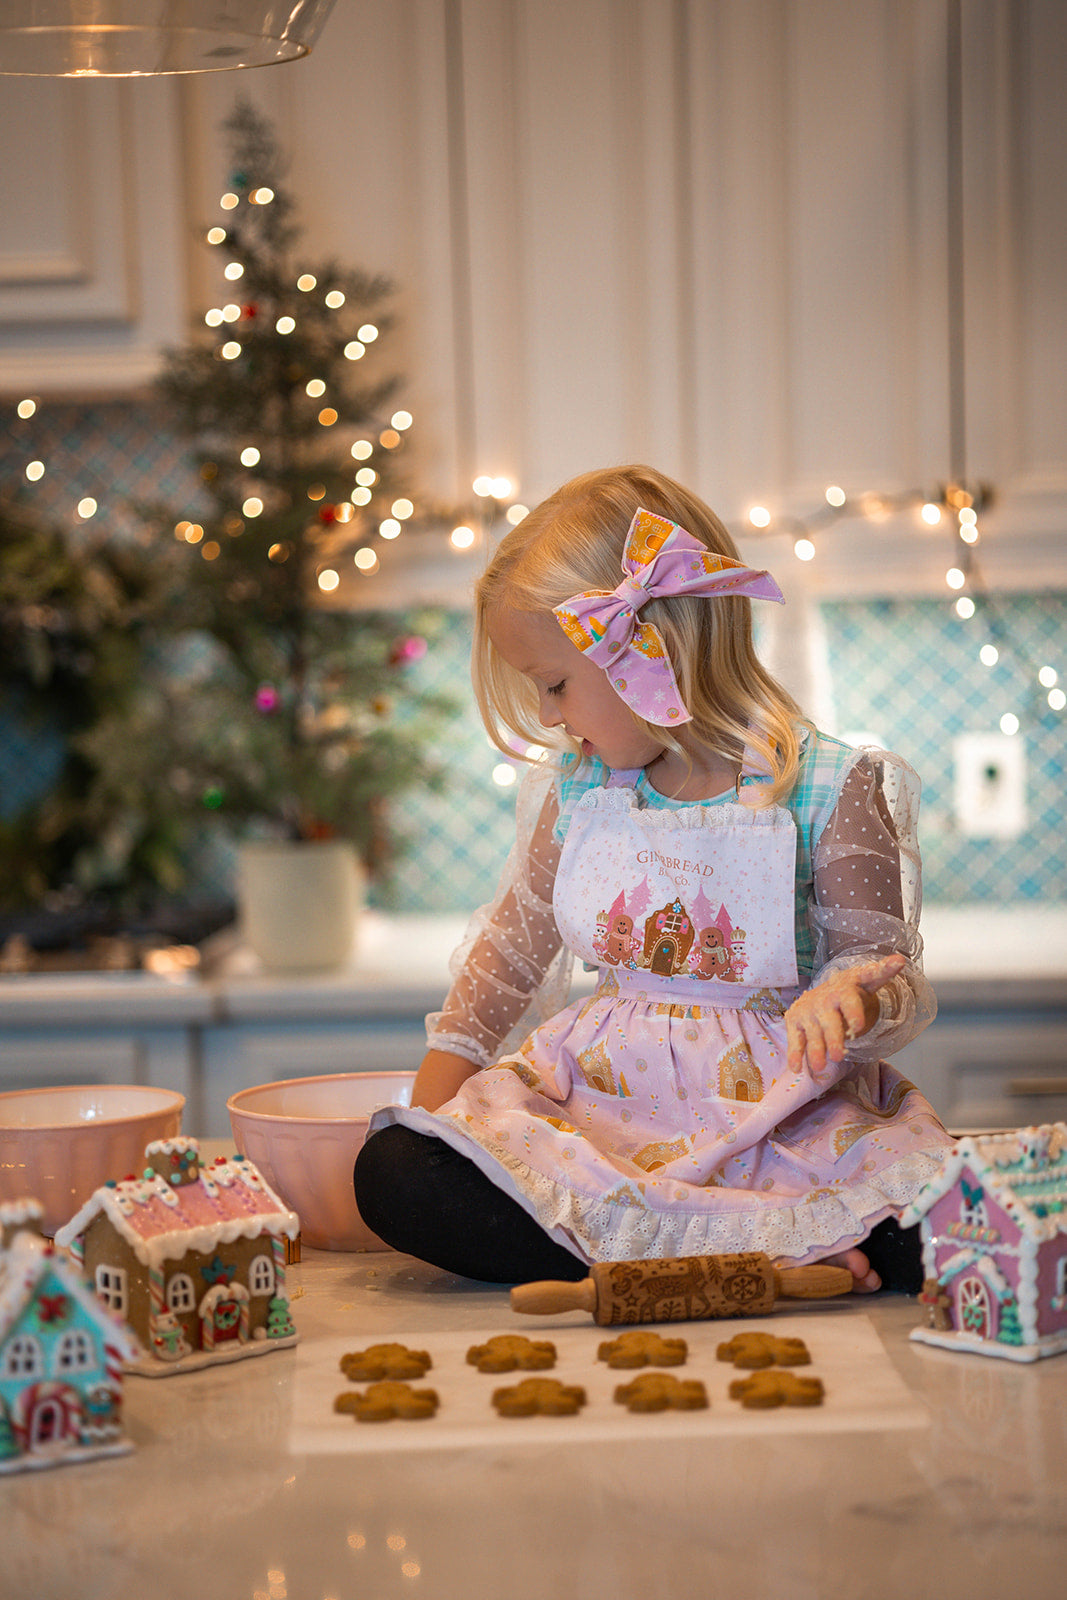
[[156, 1305], [277, 1250]]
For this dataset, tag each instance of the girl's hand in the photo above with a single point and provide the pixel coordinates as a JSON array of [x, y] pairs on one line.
[[821, 1021]]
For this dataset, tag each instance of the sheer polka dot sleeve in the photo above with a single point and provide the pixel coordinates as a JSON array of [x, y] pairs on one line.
[[510, 971], [868, 893]]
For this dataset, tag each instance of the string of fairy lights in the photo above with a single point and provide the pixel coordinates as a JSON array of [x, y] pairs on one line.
[[959, 508], [494, 497]]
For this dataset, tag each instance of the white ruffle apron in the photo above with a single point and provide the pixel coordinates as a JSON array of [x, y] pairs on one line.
[[659, 1117]]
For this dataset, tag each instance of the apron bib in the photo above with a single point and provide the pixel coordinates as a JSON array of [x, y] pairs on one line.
[[697, 902]]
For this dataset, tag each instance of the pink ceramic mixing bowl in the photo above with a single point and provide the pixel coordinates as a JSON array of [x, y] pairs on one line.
[[304, 1135], [58, 1145]]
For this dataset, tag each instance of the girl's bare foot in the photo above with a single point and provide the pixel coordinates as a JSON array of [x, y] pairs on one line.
[[864, 1279]]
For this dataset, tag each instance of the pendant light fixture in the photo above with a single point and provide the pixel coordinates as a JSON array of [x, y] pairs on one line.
[[146, 38]]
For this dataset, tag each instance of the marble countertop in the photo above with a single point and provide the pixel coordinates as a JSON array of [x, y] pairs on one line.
[[954, 1484]]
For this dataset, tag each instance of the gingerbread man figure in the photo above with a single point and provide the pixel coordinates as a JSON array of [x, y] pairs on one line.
[[711, 959], [618, 946]]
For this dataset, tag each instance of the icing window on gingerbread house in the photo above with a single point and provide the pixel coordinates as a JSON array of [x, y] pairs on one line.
[[261, 1275], [23, 1358], [1059, 1297], [111, 1286], [75, 1352], [181, 1293], [973, 1212]]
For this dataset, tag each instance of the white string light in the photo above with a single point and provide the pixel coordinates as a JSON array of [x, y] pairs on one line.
[[955, 505], [964, 506]]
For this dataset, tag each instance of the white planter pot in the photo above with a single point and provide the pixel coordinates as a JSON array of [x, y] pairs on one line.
[[299, 902]]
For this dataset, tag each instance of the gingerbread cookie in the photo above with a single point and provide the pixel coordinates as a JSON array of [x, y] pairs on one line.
[[380, 1402], [755, 1350], [763, 1390], [385, 1361], [506, 1351], [641, 1349], [546, 1396], [661, 1391]]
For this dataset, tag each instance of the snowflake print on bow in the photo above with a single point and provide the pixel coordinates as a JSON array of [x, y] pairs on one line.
[[659, 559]]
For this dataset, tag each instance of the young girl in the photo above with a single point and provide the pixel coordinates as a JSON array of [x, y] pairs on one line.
[[748, 892]]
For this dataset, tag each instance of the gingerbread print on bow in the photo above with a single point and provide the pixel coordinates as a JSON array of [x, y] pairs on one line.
[[659, 559]]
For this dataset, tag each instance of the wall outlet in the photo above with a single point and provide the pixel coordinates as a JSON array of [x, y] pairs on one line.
[[990, 786]]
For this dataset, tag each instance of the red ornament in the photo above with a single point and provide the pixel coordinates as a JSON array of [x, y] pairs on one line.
[[249, 312], [328, 514]]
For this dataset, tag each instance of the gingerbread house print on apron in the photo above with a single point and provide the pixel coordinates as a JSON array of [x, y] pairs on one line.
[[700, 896]]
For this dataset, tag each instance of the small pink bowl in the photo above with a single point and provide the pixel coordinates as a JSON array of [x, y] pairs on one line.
[[59, 1145], [304, 1135]]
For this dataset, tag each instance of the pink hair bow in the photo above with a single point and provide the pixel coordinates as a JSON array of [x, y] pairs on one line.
[[659, 559]]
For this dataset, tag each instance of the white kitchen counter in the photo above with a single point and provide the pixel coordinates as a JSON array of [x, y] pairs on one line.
[[954, 1487]]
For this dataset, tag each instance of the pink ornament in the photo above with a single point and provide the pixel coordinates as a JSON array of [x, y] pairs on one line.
[[410, 649], [267, 698]]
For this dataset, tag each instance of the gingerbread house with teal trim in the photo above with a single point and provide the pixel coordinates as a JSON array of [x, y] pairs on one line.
[[61, 1354], [994, 1231], [193, 1257]]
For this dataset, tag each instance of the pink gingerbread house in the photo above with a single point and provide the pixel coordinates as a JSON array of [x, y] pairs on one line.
[[994, 1230], [192, 1257]]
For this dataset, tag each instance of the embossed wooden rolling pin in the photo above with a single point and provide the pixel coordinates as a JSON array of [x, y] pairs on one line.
[[687, 1289]]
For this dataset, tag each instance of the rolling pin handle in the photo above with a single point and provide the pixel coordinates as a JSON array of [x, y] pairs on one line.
[[541, 1299], [817, 1282]]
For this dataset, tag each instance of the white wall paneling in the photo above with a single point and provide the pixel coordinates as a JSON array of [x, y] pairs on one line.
[[1015, 245], [92, 273], [711, 234]]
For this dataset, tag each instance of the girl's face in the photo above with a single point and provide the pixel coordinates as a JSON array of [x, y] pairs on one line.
[[573, 693]]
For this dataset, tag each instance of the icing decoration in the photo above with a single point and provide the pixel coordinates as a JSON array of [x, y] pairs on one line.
[[161, 1223], [53, 1309], [660, 559], [218, 1271]]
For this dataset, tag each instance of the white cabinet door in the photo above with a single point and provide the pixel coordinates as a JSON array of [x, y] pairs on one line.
[[92, 238]]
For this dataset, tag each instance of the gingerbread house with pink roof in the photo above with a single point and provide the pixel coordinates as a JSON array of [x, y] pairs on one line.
[[994, 1231], [192, 1257]]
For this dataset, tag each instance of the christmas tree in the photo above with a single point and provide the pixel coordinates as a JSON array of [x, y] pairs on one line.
[[8, 1443], [280, 712], [198, 678], [1010, 1330], [77, 621], [279, 1322]]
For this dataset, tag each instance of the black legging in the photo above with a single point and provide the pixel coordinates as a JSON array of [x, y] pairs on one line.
[[426, 1199]]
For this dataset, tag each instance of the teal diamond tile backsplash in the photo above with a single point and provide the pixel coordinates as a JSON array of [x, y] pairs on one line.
[[910, 670]]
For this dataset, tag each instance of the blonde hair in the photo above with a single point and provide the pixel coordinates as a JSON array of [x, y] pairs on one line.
[[572, 542]]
